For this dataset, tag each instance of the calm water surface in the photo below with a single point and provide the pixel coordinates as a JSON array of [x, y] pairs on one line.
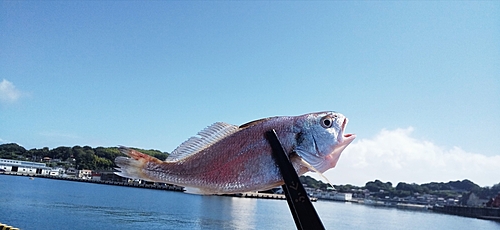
[[55, 204]]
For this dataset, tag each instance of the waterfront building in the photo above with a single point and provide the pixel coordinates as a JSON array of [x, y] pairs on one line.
[[96, 176], [473, 200], [85, 174], [71, 172], [57, 171], [24, 167], [329, 195], [111, 176], [342, 196]]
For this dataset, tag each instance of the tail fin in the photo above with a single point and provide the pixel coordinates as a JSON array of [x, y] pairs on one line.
[[134, 166]]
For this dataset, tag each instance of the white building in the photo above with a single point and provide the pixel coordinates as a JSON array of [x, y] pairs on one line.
[[24, 167], [342, 196], [57, 171], [85, 174], [329, 195]]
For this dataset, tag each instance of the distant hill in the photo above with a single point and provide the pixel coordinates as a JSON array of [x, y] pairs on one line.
[[402, 189], [86, 157]]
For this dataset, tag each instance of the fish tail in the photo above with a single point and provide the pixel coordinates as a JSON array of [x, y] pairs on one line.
[[134, 165]]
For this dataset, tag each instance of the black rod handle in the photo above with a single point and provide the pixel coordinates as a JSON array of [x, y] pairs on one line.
[[303, 212]]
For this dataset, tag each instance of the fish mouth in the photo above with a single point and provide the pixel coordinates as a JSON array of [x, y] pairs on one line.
[[345, 137]]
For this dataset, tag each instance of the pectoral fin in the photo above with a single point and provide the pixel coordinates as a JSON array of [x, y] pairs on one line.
[[311, 168]]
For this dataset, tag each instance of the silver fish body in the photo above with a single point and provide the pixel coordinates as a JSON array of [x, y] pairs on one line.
[[224, 158]]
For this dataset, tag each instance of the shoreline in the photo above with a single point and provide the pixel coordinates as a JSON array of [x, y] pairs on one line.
[[484, 213], [174, 188]]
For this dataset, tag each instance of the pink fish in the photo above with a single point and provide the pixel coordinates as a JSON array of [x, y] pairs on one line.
[[224, 158]]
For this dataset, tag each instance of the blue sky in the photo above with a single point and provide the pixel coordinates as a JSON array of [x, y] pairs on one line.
[[418, 75]]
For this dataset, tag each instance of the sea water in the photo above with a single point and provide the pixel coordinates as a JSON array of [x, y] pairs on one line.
[[57, 204]]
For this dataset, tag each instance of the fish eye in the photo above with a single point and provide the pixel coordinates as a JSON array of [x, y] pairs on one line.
[[326, 122]]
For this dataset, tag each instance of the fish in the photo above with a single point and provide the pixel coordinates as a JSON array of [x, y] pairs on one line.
[[229, 159]]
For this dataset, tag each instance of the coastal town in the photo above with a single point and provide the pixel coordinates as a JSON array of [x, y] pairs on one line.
[[458, 201]]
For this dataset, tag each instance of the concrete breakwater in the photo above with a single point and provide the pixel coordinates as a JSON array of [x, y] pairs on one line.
[[476, 212], [159, 186], [264, 196]]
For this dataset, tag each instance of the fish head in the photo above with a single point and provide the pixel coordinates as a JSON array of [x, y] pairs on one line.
[[320, 139]]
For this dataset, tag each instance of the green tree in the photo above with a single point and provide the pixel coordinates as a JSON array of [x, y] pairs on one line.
[[11, 151], [154, 153], [313, 183], [377, 185]]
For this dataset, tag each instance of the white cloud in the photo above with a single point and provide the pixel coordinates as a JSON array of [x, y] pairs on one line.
[[8, 92], [396, 156]]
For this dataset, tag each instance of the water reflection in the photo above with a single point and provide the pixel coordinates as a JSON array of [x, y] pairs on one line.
[[220, 212], [243, 213], [53, 204]]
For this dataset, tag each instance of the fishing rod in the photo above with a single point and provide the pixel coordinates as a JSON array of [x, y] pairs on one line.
[[303, 212]]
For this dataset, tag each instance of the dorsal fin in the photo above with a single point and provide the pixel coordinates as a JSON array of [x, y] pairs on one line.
[[251, 123], [204, 139]]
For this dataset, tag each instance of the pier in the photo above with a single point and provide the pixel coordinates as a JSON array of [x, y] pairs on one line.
[[475, 212], [149, 185], [159, 186], [264, 196]]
